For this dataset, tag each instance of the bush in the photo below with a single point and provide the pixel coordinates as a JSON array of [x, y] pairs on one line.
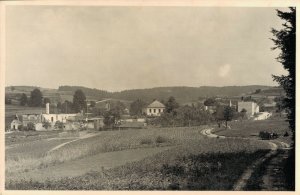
[[30, 126], [146, 141], [264, 135], [160, 139], [46, 124], [59, 125], [267, 135], [20, 127]]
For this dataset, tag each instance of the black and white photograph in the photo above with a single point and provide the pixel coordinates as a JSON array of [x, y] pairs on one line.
[[135, 97]]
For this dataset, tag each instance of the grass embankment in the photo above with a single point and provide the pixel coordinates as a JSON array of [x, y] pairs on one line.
[[205, 164], [106, 141]]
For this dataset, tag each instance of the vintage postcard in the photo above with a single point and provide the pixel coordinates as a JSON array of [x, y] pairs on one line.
[[131, 96]]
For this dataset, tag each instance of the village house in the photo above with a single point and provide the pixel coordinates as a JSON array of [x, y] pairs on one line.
[[154, 109], [53, 118], [250, 107], [31, 118], [15, 123]]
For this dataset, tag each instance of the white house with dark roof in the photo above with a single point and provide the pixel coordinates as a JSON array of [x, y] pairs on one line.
[[154, 109]]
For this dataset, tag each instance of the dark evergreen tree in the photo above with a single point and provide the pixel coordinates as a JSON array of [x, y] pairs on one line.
[[36, 98], [79, 103], [136, 107], [46, 100], [23, 100], [285, 40], [171, 105]]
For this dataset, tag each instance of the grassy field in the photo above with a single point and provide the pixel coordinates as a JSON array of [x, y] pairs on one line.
[[206, 164], [164, 158], [249, 129], [105, 141]]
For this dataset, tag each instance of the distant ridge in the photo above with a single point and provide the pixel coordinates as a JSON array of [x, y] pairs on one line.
[[181, 93]]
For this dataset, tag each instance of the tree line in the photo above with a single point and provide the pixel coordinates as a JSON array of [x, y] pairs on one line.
[[36, 99]]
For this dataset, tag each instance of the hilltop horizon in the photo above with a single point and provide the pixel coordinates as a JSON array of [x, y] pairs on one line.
[[146, 88]]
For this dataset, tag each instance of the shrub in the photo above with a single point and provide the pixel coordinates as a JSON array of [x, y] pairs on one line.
[[146, 141], [59, 125], [20, 127], [264, 135], [160, 139], [30, 126], [46, 124]]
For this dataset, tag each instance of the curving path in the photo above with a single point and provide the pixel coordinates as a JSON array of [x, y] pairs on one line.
[[242, 182]]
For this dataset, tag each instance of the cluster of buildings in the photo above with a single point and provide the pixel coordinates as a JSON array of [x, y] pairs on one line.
[[68, 121], [75, 121]]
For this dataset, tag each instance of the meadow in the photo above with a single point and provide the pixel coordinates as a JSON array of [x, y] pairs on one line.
[[207, 164], [104, 141], [136, 159], [251, 129]]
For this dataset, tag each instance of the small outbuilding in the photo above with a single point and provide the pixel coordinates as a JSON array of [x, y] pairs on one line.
[[15, 124]]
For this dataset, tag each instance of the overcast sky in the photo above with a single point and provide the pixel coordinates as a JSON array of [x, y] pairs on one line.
[[117, 48]]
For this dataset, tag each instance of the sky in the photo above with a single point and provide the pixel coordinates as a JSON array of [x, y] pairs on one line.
[[118, 48]]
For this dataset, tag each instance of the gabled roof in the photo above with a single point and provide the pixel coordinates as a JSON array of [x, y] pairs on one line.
[[156, 104]]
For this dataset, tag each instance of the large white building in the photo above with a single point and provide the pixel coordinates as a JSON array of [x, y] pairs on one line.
[[154, 109], [250, 107]]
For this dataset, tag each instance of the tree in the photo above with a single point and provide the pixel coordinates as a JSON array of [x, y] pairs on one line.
[[111, 117], [136, 107], [46, 100], [67, 107], [23, 100], [257, 91], [36, 98], [285, 40], [243, 112], [228, 114], [58, 106], [171, 105], [279, 104], [93, 104], [210, 102], [79, 103]]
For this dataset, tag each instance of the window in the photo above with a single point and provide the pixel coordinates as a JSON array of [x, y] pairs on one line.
[[158, 110], [150, 110], [51, 119], [154, 110]]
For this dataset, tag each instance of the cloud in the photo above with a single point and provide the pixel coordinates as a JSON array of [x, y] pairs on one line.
[[224, 70]]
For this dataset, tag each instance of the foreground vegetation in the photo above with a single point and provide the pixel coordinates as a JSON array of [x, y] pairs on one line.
[[209, 164], [105, 141]]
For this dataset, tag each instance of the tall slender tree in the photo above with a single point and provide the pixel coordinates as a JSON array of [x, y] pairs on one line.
[[285, 41], [79, 103], [23, 100]]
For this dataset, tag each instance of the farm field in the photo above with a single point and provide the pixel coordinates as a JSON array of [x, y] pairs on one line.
[[248, 129], [154, 158]]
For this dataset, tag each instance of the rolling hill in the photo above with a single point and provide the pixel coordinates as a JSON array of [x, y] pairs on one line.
[[182, 94]]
